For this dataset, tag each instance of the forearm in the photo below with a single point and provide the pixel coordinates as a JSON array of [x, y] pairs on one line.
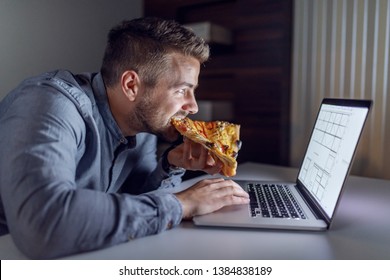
[[82, 220], [142, 180]]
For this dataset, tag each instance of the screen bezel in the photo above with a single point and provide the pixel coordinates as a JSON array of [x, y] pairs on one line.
[[312, 202]]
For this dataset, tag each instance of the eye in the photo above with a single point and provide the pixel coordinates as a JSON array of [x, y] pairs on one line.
[[182, 91]]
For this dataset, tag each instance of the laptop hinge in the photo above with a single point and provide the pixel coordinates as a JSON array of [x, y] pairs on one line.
[[312, 203]]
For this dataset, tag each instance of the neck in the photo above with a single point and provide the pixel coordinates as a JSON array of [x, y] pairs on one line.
[[121, 110]]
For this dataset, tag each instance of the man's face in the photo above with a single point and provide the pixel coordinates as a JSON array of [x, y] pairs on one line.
[[172, 96]]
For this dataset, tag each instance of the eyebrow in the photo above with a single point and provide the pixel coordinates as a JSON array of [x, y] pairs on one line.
[[180, 84], [188, 85]]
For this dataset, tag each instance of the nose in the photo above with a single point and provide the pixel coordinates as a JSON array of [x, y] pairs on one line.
[[191, 106]]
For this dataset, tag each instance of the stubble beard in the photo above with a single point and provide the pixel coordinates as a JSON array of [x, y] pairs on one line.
[[150, 119]]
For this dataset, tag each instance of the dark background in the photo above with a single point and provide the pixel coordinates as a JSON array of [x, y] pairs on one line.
[[254, 73]]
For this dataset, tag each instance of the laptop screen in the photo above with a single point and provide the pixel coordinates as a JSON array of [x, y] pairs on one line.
[[331, 148]]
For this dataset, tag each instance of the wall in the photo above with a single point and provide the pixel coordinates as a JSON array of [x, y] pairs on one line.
[[341, 49], [43, 35], [253, 74]]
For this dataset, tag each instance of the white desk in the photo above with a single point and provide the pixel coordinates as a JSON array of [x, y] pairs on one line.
[[361, 231]]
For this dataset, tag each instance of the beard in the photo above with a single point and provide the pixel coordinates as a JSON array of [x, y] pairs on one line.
[[150, 118]]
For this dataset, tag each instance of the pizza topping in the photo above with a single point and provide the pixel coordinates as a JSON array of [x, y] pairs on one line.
[[220, 137]]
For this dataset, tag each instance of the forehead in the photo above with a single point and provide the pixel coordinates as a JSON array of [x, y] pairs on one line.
[[182, 69], [182, 60]]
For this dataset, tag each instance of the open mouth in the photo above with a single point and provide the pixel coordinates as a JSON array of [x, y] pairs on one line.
[[176, 117]]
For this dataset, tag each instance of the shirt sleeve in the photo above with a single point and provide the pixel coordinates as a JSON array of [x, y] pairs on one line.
[[148, 173], [47, 214]]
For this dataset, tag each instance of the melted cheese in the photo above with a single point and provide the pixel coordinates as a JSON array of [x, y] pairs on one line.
[[220, 137]]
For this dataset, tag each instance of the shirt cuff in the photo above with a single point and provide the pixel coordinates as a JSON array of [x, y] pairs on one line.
[[169, 211], [167, 167]]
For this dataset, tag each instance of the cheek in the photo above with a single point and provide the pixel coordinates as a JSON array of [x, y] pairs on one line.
[[163, 114], [170, 107], [166, 106]]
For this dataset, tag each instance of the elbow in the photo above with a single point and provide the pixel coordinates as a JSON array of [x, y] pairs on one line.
[[38, 245]]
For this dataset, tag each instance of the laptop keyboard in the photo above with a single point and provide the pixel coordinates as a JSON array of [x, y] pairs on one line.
[[273, 200]]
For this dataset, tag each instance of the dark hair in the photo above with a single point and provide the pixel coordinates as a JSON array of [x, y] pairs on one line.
[[143, 44]]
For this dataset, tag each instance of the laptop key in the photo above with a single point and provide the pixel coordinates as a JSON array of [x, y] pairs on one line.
[[273, 201]]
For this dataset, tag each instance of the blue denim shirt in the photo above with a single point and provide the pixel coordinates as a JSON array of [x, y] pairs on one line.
[[69, 180]]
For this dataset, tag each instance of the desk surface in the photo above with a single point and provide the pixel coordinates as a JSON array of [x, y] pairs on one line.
[[361, 230]]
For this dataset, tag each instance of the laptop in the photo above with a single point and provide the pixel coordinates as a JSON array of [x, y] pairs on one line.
[[309, 203]]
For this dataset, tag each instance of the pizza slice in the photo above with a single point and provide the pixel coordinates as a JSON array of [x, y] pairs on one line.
[[221, 138]]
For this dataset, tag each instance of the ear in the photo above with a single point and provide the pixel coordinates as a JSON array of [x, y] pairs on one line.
[[130, 84]]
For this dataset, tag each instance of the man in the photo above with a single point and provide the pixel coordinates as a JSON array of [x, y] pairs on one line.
[[78, 164]]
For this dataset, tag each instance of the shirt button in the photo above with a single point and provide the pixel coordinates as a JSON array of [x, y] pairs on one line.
[[123, 140], [169, 225]]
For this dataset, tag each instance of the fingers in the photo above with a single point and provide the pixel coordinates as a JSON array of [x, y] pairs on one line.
[[197, 157], [223, 193], [210, 195], [204, 155], [228, 188], [187, 150]]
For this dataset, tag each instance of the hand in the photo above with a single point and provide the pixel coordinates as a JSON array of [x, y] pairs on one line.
[[193, 156], [209, 195]]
